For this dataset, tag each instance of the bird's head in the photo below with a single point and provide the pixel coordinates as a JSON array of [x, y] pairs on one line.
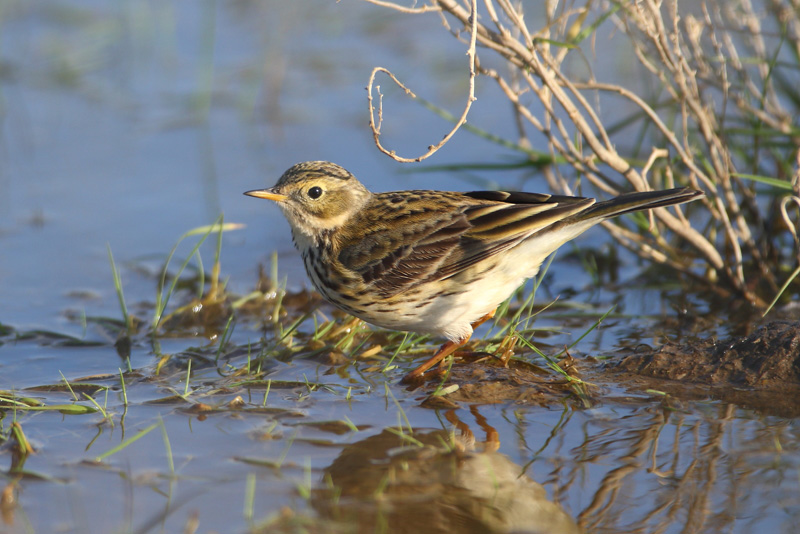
[[316, 197]]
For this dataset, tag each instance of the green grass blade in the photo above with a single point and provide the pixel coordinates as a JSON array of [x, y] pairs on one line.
[[123, 444], [537, 157], [162, 299], [781, 291], [768, 180], [68, 409], [167, 446], [595, 325], [120, 295], [590, 29]]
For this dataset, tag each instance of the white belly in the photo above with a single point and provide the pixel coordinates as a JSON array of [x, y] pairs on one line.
[[467, 296]]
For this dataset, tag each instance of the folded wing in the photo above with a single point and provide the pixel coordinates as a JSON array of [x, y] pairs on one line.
[[423, 236]]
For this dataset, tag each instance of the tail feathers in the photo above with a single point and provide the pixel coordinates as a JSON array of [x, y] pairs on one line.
[[631, 202]]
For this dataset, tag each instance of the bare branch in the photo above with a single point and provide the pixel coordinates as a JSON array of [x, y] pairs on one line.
[[432, 149], [405, 9]]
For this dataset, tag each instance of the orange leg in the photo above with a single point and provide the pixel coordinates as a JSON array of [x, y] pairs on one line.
[[492, 442], [444, 351]]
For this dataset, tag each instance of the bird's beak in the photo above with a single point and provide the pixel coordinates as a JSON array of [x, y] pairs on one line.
[[266, 193]]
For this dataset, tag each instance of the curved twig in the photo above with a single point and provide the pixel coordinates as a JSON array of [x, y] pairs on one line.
[[376, 130]]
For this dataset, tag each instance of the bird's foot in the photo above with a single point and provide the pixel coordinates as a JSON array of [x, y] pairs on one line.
[[444, 351], [415, 376]]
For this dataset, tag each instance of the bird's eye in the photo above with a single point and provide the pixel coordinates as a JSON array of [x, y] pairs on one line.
[[315, 192]]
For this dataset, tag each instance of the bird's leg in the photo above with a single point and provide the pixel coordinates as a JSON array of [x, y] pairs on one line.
[[483, 319], [475, 325], [444, 351]]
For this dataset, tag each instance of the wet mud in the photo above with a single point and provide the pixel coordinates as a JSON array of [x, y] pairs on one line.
[[760, 371], [488, 381]]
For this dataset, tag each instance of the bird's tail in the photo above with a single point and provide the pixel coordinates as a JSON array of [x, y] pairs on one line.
[[631, 202]]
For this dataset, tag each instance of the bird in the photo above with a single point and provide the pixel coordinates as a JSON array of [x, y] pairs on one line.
[[432, 262]]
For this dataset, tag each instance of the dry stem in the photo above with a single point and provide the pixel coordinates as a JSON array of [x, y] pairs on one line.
[[696, 59]]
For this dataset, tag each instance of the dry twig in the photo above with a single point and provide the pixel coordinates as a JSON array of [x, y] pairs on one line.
[[376, 128]]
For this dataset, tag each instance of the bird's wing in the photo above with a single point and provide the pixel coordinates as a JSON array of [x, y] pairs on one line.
[[420, 236]]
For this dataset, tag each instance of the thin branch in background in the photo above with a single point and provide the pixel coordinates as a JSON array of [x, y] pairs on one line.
[[404, 9], [432, 149]]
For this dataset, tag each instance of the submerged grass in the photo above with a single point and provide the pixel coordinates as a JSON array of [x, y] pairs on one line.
[[127, 442], [291, 331], [213, 293], [120, 294], [226, 372]]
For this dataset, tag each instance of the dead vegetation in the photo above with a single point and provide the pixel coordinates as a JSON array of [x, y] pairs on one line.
[[715, 108]]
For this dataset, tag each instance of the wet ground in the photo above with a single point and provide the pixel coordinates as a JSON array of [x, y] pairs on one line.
[[302, 432], [760, 371], [127, 125]]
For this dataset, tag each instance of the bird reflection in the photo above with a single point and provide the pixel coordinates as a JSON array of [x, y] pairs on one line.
[[436, 481]]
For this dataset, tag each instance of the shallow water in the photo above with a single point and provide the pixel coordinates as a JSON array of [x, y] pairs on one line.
[[127, 125]]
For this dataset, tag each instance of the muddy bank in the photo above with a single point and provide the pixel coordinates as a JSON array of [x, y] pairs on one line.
[[760, 371], [768, 358]]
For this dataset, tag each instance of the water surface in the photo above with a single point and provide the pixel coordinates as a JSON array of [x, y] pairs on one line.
[[127, 124]]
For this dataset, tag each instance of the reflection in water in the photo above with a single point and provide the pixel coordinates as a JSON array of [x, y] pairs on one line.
[[431, 481]]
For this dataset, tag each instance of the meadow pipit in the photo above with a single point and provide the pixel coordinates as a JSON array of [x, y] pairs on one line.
[[436, 262]]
